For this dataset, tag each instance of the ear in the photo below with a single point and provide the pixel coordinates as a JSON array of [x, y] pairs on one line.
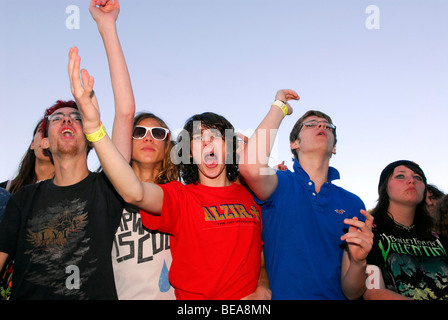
[[334, 150], [45, 144], [295, 145], [32, 145]]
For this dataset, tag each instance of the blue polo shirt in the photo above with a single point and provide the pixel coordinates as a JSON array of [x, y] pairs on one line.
[[301, 235]]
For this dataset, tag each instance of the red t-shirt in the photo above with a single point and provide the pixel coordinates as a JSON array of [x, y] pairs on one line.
[[215, 240]]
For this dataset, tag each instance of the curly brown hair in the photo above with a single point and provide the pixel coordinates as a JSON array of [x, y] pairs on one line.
[[189, 171]]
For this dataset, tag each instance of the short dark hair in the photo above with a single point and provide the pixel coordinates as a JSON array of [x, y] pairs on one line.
[[298, 126], [189, 171]]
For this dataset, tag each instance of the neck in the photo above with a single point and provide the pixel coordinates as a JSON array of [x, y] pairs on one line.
[[146, 172], [220, 181], [317, 168], [403, 214], [70, 171], [44, 169]]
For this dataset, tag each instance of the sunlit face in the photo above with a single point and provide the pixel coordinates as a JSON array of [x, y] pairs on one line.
[[315, 138], [208, 151], [405, 186], [148, 150], [65, 135]]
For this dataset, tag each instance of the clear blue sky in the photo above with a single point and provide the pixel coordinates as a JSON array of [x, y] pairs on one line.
[[386, 89]]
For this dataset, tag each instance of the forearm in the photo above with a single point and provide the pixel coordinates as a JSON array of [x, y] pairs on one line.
[[263, 283], [353, 281], [383, 294], [122, 89], [119, 171], [258, 148], [263, 290], [253, 163], [3, 258]]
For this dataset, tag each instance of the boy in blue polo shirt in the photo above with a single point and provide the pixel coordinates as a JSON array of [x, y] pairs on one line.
[[306, 216]]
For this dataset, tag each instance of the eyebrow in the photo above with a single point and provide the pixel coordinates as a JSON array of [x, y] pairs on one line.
[[405, 171], [58, 113]]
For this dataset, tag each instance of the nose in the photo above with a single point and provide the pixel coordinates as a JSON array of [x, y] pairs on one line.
[[67, 118], [321, 125], [206, 140], [411, 180], [148, 137]]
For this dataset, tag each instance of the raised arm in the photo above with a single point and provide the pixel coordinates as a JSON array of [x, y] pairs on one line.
[[253, 163], [105, 14], [147, 196]]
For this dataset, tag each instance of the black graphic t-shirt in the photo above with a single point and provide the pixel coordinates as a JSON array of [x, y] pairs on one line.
[[411, 266], [61, 238]]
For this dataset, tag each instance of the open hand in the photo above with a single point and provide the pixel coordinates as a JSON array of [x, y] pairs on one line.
[[83, 93]]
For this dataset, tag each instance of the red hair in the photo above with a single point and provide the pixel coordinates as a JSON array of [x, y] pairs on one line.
[[58, 105]]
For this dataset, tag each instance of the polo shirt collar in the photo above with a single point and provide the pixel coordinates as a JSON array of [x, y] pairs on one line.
[[333, 173]]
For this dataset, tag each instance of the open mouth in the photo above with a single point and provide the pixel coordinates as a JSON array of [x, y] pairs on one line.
[[67, 133], [211, 160], [322, 133]]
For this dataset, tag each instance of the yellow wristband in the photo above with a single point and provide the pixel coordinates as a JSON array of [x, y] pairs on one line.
[[98, 135], [282, 106]]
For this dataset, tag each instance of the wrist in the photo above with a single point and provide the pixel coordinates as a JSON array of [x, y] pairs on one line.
[[362, 264], [105, 27], [282, 105], [94, 135]]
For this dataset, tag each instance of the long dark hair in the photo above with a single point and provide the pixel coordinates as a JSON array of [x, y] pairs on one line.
[[188, 169], [27, 167], [168, 171], [422, 220]]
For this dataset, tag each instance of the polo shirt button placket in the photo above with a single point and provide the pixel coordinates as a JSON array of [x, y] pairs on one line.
[[313, 192]]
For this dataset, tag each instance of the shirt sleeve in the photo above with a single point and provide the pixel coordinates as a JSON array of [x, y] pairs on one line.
[[169, 219], [10, 227], [280, 182]]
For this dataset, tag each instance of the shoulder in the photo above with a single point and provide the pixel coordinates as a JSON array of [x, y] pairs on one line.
[[4, 184], [348, 195], [26, 190], [174, 185], [98, 179], [287, 177]]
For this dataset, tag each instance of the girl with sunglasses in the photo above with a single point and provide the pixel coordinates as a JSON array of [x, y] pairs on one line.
[[141, 257]]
